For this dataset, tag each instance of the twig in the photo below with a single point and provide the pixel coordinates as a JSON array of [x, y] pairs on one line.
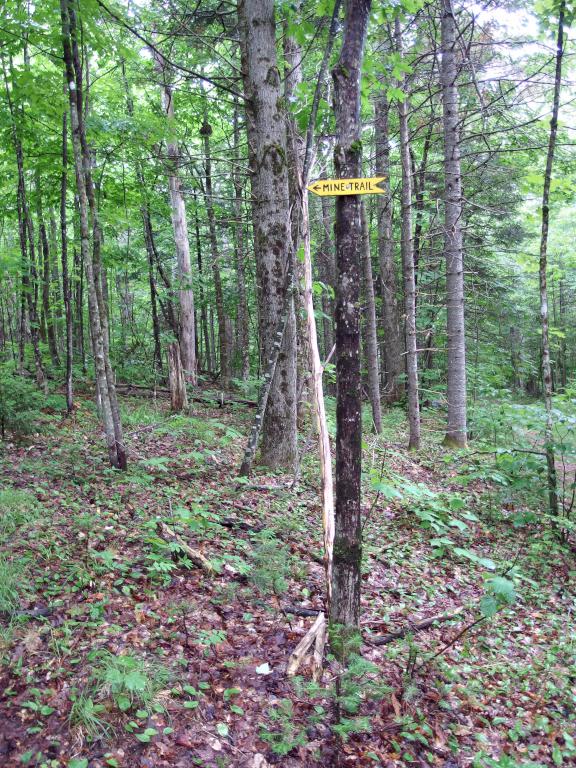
[[417, 627]]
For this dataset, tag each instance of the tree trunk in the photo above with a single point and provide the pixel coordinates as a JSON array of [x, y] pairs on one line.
[[204, 330], [406, 245], [371, 334], [66, 284], [345, 606], [116, 451], [180, 226], [456, 435], [242, 329], [225, 373], [47, 314], [392, 358], [543, 273], [176, 379], [266, 130], [295, 148]]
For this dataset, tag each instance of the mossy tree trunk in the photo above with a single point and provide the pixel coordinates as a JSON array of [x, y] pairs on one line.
[[266, 129]]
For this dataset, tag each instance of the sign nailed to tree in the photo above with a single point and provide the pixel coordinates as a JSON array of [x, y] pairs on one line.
[[331, 187]]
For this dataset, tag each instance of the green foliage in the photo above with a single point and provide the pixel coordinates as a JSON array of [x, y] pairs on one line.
[[20, 402], [11, 573], [129, 679], [17, 508], [284, 735], [270, 563]]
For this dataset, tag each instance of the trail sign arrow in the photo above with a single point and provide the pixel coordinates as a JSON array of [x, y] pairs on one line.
[[336, 187]]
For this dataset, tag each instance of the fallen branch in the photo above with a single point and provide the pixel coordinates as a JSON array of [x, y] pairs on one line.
[[417, 627], [194, 554], [295, 610], [298, 654], [219, 398]]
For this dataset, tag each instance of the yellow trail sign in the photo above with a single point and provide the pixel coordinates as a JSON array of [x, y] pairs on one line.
[[331, 187]]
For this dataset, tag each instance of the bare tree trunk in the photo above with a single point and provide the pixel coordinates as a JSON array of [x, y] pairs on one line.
[[225, 373], [66, 284], [176, 379], [145, 211], [266, 130], [242, 311], [116, 451], [295, 148], [392, 358], [204, 330], [370, 324], [48, 318], [180, 226], [456, 435], [346, 582], [543, 270], [406, 245]]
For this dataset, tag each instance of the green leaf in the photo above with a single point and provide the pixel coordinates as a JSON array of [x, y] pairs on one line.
[[222, 729]]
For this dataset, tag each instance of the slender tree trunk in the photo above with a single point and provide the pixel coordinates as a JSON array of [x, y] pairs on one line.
[[44, 247], [543, 273], [392, 357], [456, 435], [148, 238], [99, 273], [406, 245], [204, 330], [176, 380], [66, 285], [180, 227], [116, 450], [225, 373], [242, 311], [145, 212], [266, 130], [346, 583], [295, 148], [420, 182], [371, 334]]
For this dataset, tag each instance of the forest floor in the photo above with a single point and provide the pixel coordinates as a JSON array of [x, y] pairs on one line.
[[116, 650]]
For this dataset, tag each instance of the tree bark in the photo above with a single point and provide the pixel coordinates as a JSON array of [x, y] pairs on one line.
[[456, 435], [242, 329], [371, 334], [406, 246], [44, 248], [225, 373], [392, 358], [66, 284], [266, 129], [543, 273], [176, 379], [116, 451], [345, 606], [187, 336]]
